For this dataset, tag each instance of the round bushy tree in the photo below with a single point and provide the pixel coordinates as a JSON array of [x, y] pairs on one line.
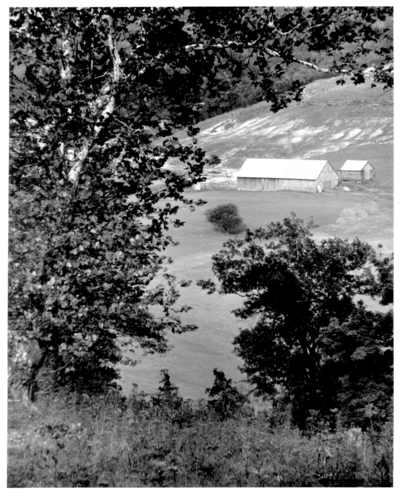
[[306, 336], [224, 217]]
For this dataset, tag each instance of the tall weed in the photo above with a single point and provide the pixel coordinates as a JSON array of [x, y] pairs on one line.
[[75, 441]]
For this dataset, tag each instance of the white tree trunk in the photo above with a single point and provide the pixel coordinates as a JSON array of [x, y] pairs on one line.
[[103, 106]]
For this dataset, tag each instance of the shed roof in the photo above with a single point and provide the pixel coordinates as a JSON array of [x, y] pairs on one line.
[[282, 168], [354, 165]]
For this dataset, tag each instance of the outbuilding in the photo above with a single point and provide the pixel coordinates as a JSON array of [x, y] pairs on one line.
[[260, 174], [357, 170]]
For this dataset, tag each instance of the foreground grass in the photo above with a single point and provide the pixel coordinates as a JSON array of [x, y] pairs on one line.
[[106, 443]]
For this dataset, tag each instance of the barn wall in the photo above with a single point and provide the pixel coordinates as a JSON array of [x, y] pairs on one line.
[[351, 175], [290, 185], [250, 183], [369, 172], [328, 174], [266, 184]]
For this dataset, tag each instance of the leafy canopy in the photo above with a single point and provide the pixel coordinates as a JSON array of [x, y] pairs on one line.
[[297, 295], [93, 101], [359, 354]]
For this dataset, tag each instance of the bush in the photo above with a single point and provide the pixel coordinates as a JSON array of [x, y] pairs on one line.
[[224, 217], [213, 161], [225, 400]]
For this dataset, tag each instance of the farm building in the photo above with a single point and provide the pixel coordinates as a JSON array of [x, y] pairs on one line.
[[259, 174], [357, 170]]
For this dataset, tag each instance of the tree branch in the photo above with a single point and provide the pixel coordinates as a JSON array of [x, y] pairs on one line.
[[269, 51], [105, 101]]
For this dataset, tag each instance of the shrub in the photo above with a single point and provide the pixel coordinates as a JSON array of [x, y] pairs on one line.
[[213, 161], [224, 217], [225, 400]]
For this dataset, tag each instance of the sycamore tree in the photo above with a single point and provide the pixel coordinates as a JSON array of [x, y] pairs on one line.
[[96, 95], [307, 338]]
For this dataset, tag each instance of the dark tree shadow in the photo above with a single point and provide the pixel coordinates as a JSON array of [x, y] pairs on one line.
[[240, 228]]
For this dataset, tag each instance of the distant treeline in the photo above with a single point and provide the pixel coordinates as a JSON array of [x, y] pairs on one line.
[[241, 92]]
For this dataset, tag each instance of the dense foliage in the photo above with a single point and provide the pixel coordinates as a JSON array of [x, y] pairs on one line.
[[96, 95], [87, 109], [300, 45], [224, 217], [359, 358], [309, 342]]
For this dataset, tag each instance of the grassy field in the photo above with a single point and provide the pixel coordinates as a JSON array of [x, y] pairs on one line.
[[333, 123], [330, 118], [194, 355]]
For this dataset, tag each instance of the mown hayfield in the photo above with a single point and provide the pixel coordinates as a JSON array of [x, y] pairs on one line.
[[330, 119], [195, 354]]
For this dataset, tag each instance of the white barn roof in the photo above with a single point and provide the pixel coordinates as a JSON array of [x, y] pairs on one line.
[[354, 165], [282, 169]]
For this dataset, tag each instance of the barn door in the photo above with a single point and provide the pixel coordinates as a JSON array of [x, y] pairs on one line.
[[327, 185]]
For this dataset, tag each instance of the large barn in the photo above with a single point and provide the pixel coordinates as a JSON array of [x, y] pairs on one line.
[[260, 174], [357, 170]]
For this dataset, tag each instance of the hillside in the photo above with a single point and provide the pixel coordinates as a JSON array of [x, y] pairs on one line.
[[336, 123], [329, 119]]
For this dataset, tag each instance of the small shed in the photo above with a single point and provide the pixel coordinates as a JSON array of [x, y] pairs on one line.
[[357, 170], [260, 174]]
